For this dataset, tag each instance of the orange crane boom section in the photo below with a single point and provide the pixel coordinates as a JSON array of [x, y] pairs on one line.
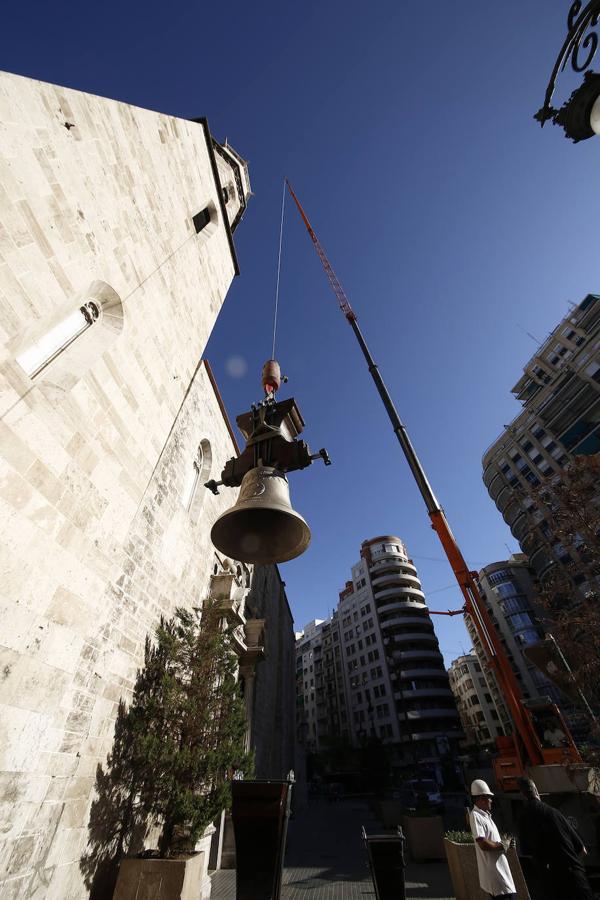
[[474, 604]]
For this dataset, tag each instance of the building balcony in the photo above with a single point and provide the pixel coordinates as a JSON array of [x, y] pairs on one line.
[[496, 485], [409, 694], [420, 673], [401, 593], [504, 498], [417, 654], [411, 637], [429, 735], [420, 714], [394, 607], [390, 564], [396, 620], [521, 526], [395, 578], [512, 512]]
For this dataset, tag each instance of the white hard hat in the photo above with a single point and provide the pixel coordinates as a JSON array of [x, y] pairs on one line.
[[479, 788]]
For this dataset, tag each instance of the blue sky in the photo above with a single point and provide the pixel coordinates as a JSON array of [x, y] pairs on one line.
[[454, 222]]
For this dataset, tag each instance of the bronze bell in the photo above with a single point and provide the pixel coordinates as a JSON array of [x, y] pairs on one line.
[[262, 527]]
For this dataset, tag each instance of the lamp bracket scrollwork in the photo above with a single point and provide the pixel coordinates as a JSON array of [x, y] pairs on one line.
[[579, 49]]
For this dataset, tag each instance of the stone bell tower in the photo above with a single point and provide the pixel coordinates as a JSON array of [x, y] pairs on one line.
[[116, 232]]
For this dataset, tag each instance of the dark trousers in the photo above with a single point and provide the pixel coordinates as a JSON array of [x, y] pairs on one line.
[[569, 881], [503, 896]]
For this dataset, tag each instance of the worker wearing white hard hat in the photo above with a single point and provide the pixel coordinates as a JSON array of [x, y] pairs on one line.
[[494, 872]]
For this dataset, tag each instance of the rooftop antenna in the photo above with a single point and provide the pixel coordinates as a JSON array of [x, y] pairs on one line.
[[529, 334]]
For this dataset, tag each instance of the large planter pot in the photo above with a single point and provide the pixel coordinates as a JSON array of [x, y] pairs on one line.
[[161, 879], [203, 849], [228, 844], [465, 877], [424, 836]]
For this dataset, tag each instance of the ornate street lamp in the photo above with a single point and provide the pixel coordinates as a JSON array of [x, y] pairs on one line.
[[580, 115]]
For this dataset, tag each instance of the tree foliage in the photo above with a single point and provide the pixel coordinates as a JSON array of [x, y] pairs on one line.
[[570, 592], [188, 726]]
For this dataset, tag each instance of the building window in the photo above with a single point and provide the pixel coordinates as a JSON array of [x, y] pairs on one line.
[[40, 352], [35, 358], [202, 219], [198, 472]]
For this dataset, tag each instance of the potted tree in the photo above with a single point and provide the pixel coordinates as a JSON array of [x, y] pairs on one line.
[[187, 736], [460, 852]]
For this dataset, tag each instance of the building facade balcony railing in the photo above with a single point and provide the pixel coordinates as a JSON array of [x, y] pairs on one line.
[[409, 694], [390, 564], [389, 620], [420, 672], [395, 578], [411, 641], [416, 654], [430, 735], [434, 713], [402, 593]]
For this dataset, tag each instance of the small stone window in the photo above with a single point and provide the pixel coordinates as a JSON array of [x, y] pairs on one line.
[[206, 222], [201, 220]]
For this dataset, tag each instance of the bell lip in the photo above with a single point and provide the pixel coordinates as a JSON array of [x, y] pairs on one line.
[[234, 553]]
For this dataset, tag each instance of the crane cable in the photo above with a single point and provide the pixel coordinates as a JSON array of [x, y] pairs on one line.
[[278, 269]]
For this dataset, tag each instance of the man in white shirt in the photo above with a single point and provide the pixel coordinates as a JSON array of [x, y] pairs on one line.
[[494, 872]]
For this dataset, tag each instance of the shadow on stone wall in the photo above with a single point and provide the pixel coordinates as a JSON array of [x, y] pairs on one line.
[[117, 825]]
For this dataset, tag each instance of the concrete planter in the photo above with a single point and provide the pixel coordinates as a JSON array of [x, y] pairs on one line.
[[161, 879], [424, 837], [202, 848], [465, 877]]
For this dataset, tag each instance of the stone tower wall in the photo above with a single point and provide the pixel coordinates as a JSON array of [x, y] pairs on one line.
[[96, 201]]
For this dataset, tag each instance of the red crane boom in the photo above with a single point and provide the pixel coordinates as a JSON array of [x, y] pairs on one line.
[[510, 763]]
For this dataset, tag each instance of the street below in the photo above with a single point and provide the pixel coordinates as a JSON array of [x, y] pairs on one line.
[[325, 859]]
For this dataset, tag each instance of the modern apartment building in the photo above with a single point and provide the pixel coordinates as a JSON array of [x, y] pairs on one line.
[[381, 674], [321, 711], [560, 393], [479, 716], [509, 594]]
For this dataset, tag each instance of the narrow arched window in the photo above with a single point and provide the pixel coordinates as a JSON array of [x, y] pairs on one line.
[[34, 359], [196, 475], [193, 477]]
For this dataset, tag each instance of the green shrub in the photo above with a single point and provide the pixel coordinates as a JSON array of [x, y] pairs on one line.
[[188, 726], [459, 837]]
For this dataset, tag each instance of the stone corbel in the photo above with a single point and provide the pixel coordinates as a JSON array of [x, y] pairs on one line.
[[255, 643], [230, 596]]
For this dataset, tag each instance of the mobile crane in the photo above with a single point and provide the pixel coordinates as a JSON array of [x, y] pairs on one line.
[[527, 748]]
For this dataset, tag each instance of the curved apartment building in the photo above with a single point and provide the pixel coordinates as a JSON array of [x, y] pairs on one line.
[[397, 684]]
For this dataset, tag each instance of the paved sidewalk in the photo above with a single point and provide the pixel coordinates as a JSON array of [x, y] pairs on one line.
[[325, 859]]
